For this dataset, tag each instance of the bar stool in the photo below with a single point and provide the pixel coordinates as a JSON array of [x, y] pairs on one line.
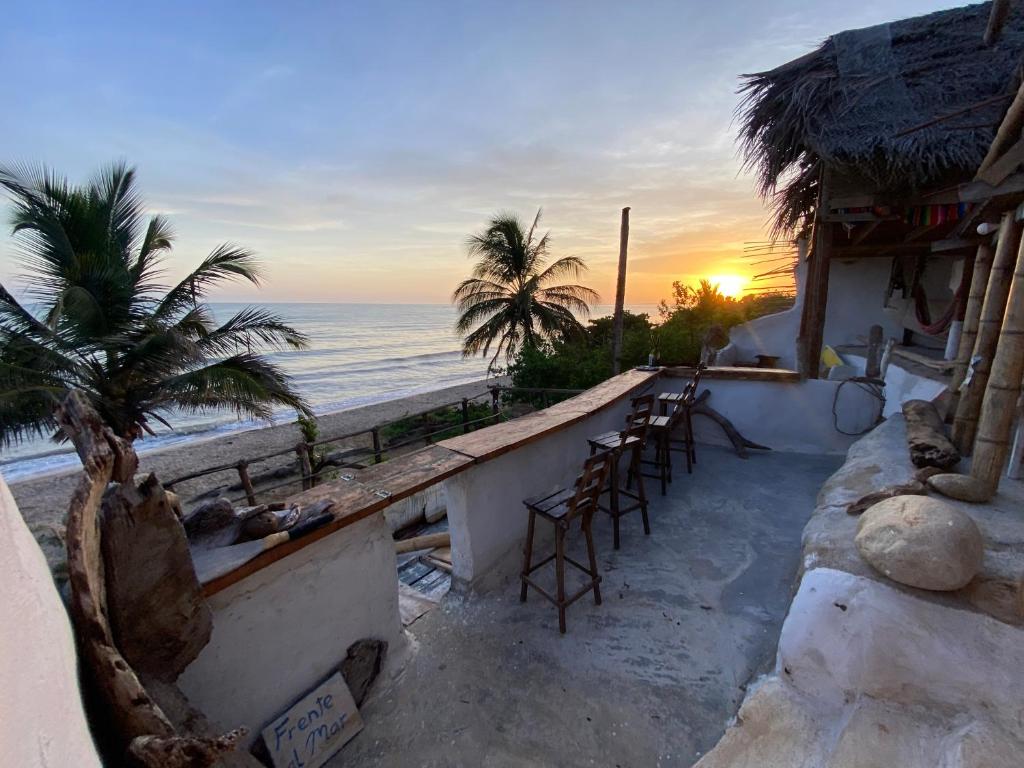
[[616, 444], [560, 509], [670, 403], [658, 432]]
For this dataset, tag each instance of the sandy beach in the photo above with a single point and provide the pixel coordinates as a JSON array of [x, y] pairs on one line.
[[43, 500]]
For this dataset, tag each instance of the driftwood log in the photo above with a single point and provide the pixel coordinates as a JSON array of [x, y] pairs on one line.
[[144, 729], [155, 604], [913, 488], [700, 407], [926, 436]]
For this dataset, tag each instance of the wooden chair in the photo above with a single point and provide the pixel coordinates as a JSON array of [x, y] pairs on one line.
[[681, 404], [617, 444], [560, 509]]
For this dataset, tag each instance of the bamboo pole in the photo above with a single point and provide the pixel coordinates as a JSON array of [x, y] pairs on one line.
[[996, 20], [620, 294], [965, 423], [972, 314], [1008, 133], [999, 408]]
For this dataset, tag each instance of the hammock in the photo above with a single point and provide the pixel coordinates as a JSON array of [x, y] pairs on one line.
[[923, 314]]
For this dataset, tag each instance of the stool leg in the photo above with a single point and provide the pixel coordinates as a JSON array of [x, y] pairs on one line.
[[613, 498], [560, 574], [589, 534], [690, 444], [527, 555], [635, 467], [663, 458]]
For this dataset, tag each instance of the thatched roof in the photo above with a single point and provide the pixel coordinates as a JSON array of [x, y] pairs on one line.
[[857, 104]]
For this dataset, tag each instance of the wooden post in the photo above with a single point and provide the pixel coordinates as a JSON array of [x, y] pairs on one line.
[[544, 398], [620, 294], [465, 415], [243, 476], [972, 314], [999, 408], [965, 423], [1017, 451], [496, 403], [302, 450], [996, 20], [377, 457], [812, 319], [876, 341]]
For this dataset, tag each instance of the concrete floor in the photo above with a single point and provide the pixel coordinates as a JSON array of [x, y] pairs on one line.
[[650, 677]]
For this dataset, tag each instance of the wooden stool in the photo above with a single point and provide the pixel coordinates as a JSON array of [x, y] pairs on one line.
[[560, 509], [616, 444], [678, 408]]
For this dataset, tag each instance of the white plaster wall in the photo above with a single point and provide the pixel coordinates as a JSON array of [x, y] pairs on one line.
[[286, 627], [856, 298], [486, 515], [786, 416], [900, 385], [42, 722], [848, 636]]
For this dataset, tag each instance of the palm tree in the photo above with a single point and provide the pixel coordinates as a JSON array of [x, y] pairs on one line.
[[510, 299], [102, 323]]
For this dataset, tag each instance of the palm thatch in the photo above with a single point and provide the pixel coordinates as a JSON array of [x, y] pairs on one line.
[[898, 108]]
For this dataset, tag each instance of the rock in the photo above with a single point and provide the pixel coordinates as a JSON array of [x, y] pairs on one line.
[[361, 666], [926, 436], [776, 728], [960, 487], [921, 542], [913, 488]]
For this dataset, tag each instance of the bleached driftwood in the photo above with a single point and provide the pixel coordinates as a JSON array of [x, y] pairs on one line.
[[138, 720], [739, 442]]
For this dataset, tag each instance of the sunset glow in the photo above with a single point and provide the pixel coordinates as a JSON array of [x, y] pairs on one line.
[[730, 285]]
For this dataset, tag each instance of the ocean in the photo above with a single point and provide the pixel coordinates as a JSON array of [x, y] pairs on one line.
[[359, 354]]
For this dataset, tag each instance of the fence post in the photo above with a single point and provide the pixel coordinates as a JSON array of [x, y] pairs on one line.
[[544, 398], [465, 415], [495, 403], [302, 450], [376, 445], [243, 475]]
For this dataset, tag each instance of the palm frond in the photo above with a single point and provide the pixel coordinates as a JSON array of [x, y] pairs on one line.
[[227, 262]]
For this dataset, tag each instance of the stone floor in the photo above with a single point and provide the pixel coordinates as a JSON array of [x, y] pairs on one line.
[[650, 677]]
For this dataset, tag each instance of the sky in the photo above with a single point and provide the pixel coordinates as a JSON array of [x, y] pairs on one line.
[[355, 146]]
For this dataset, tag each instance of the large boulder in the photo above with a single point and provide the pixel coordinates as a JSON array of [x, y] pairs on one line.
[[921, 542]]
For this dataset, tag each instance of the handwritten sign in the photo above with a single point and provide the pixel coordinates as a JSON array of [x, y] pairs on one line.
[[314, 728]]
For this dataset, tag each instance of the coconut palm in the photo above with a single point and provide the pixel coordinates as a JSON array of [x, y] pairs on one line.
[[101, 322], [512, 299]]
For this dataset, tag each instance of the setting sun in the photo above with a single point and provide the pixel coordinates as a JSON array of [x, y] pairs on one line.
[[729, 285]]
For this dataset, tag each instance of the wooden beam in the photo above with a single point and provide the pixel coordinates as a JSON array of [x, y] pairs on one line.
[[812, 326], [996, 20], [979, 191], [917, 232], [965, 423], [1002, 167], [865, 232], [1009, 130], [620, 294], [952, 244]]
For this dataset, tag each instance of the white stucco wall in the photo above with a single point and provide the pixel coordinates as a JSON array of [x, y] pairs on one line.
[[786, 416], [285, 628], [486, 515], [42, 722]]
